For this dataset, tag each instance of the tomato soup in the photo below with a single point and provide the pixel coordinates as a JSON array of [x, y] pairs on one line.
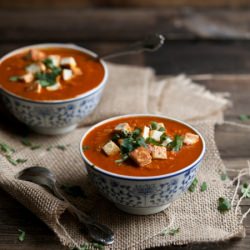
[[50, 73], [142, 146]]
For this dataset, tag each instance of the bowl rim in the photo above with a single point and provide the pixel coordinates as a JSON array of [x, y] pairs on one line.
[[57, 45], [142, 178]]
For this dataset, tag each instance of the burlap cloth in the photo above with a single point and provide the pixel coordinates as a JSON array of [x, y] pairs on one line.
[[131, 90]]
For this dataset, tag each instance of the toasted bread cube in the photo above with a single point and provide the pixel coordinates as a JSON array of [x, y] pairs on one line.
[[36, 55], [159, 152], [35, 86], [190, 139], [156, 135], [68, 62], [54, 87], [145, 132], [67, 74], [141, 156], [27, 78], [166, 141], [55, 59], [77, 71], [111, 148], [123, 127]]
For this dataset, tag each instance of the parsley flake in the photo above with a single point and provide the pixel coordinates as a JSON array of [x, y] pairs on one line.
[[223, 205], [22, 235], [193, 186], [14, 78], [223, 176], [177, 143], [245, 190], [244, 117], [203, 186], [170, 232]]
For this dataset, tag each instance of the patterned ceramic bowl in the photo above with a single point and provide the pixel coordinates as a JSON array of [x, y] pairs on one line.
[[142, 195], [53, 117]]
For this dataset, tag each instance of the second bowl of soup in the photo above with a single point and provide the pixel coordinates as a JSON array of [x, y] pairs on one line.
[[52, 87], [142, 162]]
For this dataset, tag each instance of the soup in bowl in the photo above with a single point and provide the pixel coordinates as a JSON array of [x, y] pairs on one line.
[[52, 87], [142, 162]]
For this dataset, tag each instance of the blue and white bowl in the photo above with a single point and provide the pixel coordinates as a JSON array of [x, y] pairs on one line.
[[142, 195], [53, 117]]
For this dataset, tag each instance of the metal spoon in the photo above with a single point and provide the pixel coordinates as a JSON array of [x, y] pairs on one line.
[[150, 43], [45, 178]]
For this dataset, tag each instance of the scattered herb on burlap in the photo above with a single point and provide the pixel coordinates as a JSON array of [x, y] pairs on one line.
[[223, 176], [170, 231], [26, 142], [203, 186], [224, 205], [245, 190], [90, 246], [244, 117]]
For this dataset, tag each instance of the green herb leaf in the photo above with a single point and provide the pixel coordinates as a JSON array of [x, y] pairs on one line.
[[61, 147], [223, 176], [48, 79], [15, 162], [26, 142], [136, 133], [21, 160], [85, 147], [152, 141], [90, 246], [193, 185], [223, 205], [115, 137], [6, 148], [22, 235], [244, 117], [74, 190], [245, 190], [171, 232], [154, 125], [176, 144], [127, 145], [48, 63], [14, 78], [124, 158], [203, 186]]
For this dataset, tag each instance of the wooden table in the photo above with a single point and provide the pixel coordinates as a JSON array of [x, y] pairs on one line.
[[218, 60]]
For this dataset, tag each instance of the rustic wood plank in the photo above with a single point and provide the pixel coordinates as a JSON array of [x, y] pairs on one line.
[[82, 24]]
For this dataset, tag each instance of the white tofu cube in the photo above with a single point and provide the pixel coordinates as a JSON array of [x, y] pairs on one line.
[[156, 135], [111, 148], [55, 59], [68, 62], [159, 152], [166, 141], [190, 139], [67, 74], [33, 68], [54, 87], [27, 78], [145, 132], [35, 87], [160, 125], [123, 127]]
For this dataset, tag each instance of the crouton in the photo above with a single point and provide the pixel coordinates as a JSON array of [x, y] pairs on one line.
[[190, 139], [110, 148], [36, 55], [35, 68], [55, 59], [67, 74], [54, 87], [156, 135], [36, 87], [145, 132], [68, 62], [158, 152], [123, 127], [27, 78], [77, 71], [141, 156]]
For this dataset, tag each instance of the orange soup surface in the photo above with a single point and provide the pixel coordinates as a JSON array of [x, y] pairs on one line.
[[84, 74], [170, 157]]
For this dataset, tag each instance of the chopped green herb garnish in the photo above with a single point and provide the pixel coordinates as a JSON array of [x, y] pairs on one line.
[[115, 137], [26, 142], [171, 232], [6, 148], [21, 236], [245, 190], [244, 117], [154, 125], [48, 79], [74, 190], [203, 186], [193, 185], [124, 158], [15, 162], [61, 147], [14, 78], [136, 133], [49, 63], [150, 140], [223, 205], [223, 176], [85, 147], [90, 246], [176, 144]]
